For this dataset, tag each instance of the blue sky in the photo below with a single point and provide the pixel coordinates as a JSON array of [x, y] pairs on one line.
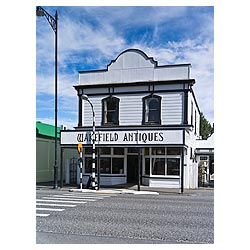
[[90, 37]]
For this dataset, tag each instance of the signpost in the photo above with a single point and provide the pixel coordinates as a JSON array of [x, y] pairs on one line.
[[79, 149]]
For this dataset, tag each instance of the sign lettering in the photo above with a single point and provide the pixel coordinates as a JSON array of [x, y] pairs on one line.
[[140, 137]]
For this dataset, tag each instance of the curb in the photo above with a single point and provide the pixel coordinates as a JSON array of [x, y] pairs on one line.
[[117, 191]]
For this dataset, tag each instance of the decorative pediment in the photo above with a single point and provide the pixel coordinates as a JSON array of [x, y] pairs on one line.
[[133, 65], [132, 59]]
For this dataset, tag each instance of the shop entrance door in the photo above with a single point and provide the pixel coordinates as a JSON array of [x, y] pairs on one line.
[[132, 168]]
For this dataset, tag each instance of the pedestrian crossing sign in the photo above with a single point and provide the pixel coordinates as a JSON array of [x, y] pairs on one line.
[[79, 147]]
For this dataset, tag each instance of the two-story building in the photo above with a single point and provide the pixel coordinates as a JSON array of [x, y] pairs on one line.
[[141, 109]]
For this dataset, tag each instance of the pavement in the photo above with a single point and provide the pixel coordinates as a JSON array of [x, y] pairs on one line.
[[123, 189]]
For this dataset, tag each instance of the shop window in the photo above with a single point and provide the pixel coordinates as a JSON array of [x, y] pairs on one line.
[[118, 151], [110, 111], [147, 166], [173, 151], [173, 166], [118, 166], [111, 160], [88, 150], [158, 166], [158, 151], [104, 151], [105, 165], [203, 158], [146, 151], [88, 165], [152, 109], [133, 150], [162, 161]]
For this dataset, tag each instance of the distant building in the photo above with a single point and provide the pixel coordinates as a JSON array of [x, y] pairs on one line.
[[144, 112], [45, 152], [204, 153]]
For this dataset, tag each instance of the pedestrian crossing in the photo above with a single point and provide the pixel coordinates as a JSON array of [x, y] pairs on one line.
[[46, 204]]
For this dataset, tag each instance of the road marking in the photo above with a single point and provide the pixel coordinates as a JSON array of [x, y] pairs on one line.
[[50, 209], [86, 197], [42, 215], [67, 201], [60, 197], [55, 205], [89, 195]]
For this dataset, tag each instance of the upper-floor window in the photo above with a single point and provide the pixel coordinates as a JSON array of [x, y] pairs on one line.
[[152, 109], [110, 111]]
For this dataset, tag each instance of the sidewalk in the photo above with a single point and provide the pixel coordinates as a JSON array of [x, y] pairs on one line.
[[123, 189]]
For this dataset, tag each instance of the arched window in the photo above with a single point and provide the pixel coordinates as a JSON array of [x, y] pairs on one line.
[[152, 109], [110, 111]]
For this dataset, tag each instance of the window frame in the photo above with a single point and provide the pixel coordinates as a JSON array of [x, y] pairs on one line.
[[112, 155], [151, 157], [106, 112], [145, 119]]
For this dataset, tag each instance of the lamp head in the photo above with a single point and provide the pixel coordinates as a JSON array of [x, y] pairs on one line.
[[84, 97], [39, 11]]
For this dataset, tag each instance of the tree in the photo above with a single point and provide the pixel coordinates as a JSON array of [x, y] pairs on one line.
[[206, 129]]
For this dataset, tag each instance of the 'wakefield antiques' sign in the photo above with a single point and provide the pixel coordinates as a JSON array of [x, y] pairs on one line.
[[131, 137]]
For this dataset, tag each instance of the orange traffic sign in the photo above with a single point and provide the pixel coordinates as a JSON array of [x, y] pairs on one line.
[[79, 147]]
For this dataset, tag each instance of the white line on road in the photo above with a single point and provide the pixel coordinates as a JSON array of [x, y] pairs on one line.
[[66, 201], [50, 209], [42, 215], [87, 197], [55, 205], [96, 196], [60, 197]]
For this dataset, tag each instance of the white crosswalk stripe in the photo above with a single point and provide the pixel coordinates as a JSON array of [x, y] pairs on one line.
[[50, 209], [59, 197], [55, 205], [51, 202], [66, 201], [42, 215]]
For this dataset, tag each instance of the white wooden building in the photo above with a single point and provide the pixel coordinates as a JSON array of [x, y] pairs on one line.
[[143, 107]]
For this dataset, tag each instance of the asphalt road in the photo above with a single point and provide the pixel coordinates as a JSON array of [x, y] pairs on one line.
[[126, 218]]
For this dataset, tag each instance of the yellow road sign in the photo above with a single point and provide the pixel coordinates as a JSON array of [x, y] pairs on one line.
[[79, 147]]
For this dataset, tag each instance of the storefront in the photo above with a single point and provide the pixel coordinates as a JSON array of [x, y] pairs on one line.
[[143, 119], [205, 159]]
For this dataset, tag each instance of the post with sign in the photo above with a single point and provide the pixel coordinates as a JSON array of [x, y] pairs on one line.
[[79, 148]]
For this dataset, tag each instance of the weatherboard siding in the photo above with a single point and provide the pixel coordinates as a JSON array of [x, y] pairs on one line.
[[131, 109]]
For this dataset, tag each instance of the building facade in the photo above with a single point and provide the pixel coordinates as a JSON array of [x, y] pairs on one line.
[[45, 153], [205, 158], [146, 122]]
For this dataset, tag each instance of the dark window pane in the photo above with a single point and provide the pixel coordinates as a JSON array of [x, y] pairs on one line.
[[132, 150], [111, 110], [146, 151], [152, 109], [117, 165], [88, 165], [105, 151], [88, 150], [105, 165], [158, 166], [147, 166], [173, 151], [158, 151], [173, 166], [153, 104], [119, 151]]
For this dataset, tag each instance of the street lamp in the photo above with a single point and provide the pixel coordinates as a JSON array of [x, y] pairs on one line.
[[53, 23], [93, 185]]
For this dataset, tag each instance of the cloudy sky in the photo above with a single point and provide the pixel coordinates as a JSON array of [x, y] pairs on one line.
[[90, 37]]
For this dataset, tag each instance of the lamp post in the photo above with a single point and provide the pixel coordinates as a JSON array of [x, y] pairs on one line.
[[53, 23], [93, 185]]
